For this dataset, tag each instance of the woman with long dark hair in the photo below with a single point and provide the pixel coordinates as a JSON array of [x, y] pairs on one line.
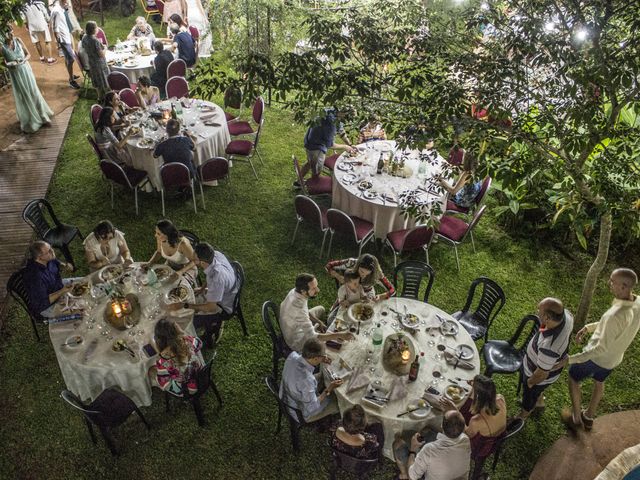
[[370, 273], [110, 146], [175, 249], [178, 360], [105, 246], [464, 192]]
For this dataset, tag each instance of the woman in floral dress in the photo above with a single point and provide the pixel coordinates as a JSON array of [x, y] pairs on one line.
[[178, 361], [98, 70]]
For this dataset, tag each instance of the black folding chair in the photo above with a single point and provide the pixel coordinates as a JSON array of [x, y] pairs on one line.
[[360, 467], [271, 321], [109, 410], [412, 273], [192, 237], [59, 235], [477, 323], [514, 426], [237, 307], [296, 420], [15, 287]]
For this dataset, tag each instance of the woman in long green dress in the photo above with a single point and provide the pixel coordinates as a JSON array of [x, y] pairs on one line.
[[31, 108]]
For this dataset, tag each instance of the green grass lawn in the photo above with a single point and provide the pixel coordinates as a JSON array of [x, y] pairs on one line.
[[44, 438]]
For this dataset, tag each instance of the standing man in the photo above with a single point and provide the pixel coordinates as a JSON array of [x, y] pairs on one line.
[[36, 18], [611, 337], [320, 138], [185, 45], [63, 37], [160, 63], [547, 354], [297, 321]]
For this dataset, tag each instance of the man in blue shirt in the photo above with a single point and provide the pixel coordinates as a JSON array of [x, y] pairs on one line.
[[177, 148], [186, 45], [321, 137], [42, 278]]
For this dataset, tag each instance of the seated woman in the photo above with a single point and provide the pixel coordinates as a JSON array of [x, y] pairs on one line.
[[141, 30], [485, 414], [466, 189], [111, 99], [176, 250], [110, 146], [105, 246], [178, 360], [372, 131], [146, 93], [357, 439], [370, 273]]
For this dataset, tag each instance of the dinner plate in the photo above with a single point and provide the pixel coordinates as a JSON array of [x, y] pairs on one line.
[[74, 341], [410, 320], [383, 146], [79, 289], [131, 64], [376, 395], [464, 352], [179, 294], [145, 143], [423, 409], [454, 392], [345, 167], [370, 194], [365, 185], [449, 327], [110, 273], [339, 369], [349, 178]]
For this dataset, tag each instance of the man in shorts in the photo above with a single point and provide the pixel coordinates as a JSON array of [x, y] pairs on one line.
[[36, 18], [611, 337], [63, 37], [320, 138]]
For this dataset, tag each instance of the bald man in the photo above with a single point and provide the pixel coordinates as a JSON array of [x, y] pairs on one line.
[[611, 337], [547, 354]]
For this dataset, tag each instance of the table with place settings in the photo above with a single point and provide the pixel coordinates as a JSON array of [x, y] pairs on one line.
[[204, 120], [360, 191], [87, 348], [435, 333], [127, 59]]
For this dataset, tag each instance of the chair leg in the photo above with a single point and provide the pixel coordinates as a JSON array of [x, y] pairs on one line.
[[473, 244], [35, 328], [193, 196], [214, 387], [455, 249], [144, 420], [243, 324], [202, 195], [135, 196], [426, 253], [108, 440], [253, 168], [166, 402], [324, 238], [295, 435], [162, 198], [92, 434], [67, 255], [197, 408], [112, 198], [359, 249], [259, 156], [330, 242], [275, 359], [395, 258], [295, 231], [279, 425]]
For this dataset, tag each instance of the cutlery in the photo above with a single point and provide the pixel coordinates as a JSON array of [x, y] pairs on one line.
[[376, 399], [74, 342], [409, 411]]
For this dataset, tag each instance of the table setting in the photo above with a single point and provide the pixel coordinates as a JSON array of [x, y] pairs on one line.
[[379, 181], [108, 341], [133, 58], [405, 357], [205, 121]]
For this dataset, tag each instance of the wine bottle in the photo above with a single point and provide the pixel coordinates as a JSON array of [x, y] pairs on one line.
[[413, 370], [380, 164], [174, 113]]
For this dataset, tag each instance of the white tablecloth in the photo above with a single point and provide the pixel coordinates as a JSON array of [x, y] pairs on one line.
[[129, 62], [355, 353], [385, 215], [88, 375], [211, 141]]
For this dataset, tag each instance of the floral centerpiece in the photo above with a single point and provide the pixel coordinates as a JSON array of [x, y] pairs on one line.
[[397, 353]]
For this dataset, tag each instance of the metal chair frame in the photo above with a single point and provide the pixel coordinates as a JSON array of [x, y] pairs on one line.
[[360, 243], [300, 218], [470, 226], [409, 232], [295, 424], [191, 180], [128, 182]]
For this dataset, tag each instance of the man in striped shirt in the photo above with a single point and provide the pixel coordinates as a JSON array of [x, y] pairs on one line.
[[547, 353]]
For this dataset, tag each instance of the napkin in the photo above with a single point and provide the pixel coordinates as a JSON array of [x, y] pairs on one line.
[[183, 312], [358, 380], [454, 360], [398, 388], [208, 117]]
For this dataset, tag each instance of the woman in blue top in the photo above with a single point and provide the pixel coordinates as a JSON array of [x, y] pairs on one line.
[[464, 192]]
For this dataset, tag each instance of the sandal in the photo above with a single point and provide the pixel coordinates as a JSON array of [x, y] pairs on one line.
[[586, 421]]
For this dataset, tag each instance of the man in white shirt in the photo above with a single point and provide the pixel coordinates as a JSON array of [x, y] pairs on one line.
[[299, 386], [63, 37], [219, 296], [611, 337], [36, 18], [297, 320], [445, 458]]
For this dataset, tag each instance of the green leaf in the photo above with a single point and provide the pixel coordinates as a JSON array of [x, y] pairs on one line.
[[581, 238], [514, 206]]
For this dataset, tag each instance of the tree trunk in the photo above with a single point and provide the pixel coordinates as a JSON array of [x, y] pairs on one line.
[[594, 271]]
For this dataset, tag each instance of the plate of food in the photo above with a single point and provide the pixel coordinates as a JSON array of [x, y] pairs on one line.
[[131, 63], [179, 294], [464, 352], [340, 325], [360, 312], [79, 289], [449, 328], [370, 194], [345, 167], [376, 395], [349, 178], [74, 341], [146, 143], [454, 392], [110, 272], [163, 272], [418, 409], [365, 185], [410, 320]]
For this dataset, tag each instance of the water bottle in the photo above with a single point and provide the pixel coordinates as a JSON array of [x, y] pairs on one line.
[[377, 338]]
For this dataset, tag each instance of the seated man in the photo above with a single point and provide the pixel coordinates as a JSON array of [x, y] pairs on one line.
[[177, 148], [299, 387], [185, 44], [160, 63], [42, 279], [297, 321], [444, 456], [220, 293]]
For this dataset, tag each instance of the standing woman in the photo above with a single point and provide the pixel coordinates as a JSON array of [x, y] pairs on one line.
[[31, 108], [98, 70], [370, 273], [172, 7]]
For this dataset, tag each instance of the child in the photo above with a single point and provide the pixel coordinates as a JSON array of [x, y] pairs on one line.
[[351, 291]]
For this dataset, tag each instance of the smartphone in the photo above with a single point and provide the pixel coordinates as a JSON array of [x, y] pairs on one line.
[[333, 344], [149, 350]]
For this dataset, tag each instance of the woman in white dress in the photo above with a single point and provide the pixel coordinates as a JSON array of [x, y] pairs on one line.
[[197, 17], [106, 246], [176, 250]]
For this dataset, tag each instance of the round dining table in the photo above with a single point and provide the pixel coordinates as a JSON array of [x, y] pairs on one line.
[[84, 347], [126, 58], [203, 119], [360, 191], [361, 369]]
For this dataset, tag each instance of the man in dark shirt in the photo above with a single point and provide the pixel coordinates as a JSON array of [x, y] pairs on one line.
[[161, 62], [42, 278], [177, 148], [186, 45]]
